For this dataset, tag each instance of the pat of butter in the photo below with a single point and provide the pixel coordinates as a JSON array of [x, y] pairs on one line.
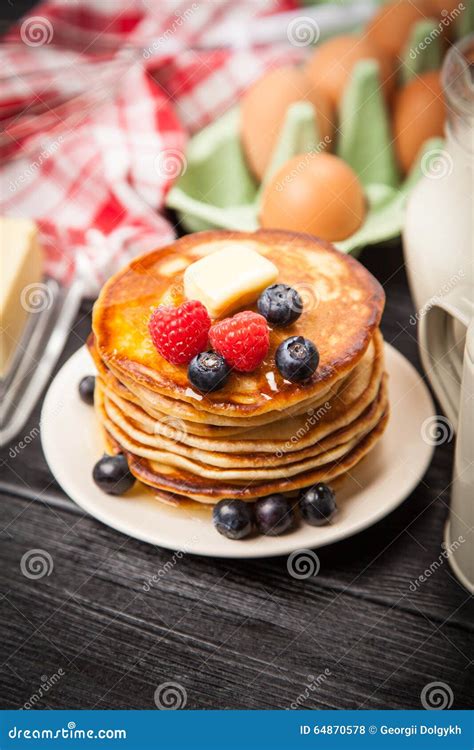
[[21, 266], [229, 278]]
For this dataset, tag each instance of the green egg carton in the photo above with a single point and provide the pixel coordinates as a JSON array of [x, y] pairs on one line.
[[217, 190]]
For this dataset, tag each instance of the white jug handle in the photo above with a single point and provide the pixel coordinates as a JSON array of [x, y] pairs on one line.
[[438, 337]]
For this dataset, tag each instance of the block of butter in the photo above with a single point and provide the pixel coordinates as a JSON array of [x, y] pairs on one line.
[[21, 265], [228, 278]]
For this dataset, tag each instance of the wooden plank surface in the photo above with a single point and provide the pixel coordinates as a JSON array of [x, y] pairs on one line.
[[234, 634]]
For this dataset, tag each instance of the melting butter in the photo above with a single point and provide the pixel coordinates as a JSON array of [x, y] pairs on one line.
[[228, 278]]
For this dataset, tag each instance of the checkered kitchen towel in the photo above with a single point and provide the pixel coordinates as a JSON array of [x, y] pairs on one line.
[[96, 104]]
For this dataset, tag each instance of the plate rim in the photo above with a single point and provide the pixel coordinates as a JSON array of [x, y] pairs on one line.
[[240, 551]]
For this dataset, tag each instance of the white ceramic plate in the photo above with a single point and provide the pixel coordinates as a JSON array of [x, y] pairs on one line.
[[72, 444]]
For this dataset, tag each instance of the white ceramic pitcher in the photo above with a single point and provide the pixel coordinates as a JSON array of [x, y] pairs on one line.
[[438, 236], [439, 253]]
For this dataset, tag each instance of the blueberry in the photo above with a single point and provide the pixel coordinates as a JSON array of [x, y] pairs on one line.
[[112, 475], [86, 389], [233, 518], [296, 358], [280, 304], [208, 372], [273, 515], [317, 504]]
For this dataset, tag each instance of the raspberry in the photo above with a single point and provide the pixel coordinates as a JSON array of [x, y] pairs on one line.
[[242, 340], [179, 333]]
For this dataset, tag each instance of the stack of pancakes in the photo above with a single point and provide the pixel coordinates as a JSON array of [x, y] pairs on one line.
[[260, 433]]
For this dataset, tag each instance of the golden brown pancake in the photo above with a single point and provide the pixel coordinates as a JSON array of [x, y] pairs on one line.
[[175, 453], [260, 433], [343, 309], [178, 482], [155, 403], [293, 433]]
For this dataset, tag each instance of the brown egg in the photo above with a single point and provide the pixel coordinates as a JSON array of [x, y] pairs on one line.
[[389, 30], [315, 193], [263, 110], [331, 65], [418, 114]]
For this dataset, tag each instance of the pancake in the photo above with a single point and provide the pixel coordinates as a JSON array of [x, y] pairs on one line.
[[344, 309], [350, 392], [158, 404], [260, 433], [294, 433], [178, 454], [181, 483]]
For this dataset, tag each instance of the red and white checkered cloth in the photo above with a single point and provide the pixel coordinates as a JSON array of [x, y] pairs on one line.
[[107, 131]]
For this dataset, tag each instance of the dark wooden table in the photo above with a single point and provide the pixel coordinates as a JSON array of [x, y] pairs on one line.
[[234, 634]]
